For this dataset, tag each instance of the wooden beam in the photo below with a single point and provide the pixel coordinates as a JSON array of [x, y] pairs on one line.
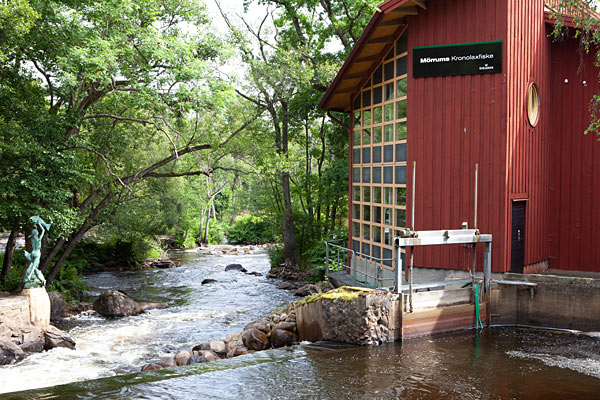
[[420, 3], [374, 57], [347, 90], [382, 39], [357, 75], [406, 11], [394, 22]]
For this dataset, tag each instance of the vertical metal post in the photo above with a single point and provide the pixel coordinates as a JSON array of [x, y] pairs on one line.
[[476, 178], [487, 276], [473, 270], [397, 267], [326, 258]]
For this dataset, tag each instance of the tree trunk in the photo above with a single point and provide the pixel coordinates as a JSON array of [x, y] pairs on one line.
[[236, 182], [289, 236], [8, 254], [205, 237], [77, 236]]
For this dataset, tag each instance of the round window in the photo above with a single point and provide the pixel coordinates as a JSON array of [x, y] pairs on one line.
[[533, 104]]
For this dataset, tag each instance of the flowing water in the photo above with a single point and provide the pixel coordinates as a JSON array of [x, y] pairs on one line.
[[500, 363]]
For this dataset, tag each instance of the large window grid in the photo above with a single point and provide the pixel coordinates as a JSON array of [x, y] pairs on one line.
[[379, 156]]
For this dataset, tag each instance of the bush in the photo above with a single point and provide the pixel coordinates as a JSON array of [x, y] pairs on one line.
[[276, 256], [250, 229]]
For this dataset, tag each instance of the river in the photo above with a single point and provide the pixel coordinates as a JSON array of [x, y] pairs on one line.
[[501, 363]]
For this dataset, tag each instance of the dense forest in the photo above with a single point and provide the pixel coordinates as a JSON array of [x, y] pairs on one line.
[[127, 121]]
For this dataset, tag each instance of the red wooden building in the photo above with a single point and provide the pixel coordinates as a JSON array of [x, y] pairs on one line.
[[449, 84]]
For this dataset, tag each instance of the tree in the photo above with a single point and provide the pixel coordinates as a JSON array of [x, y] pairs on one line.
[[120, 91]]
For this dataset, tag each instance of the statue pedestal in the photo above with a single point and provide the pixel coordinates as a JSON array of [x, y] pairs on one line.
[[39, 306]]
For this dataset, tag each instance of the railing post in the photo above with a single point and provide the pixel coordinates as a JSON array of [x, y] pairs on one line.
[[327, 258], [487, 276], [397, 267]]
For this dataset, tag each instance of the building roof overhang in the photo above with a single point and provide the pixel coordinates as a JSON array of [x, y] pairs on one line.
[[374, 43]]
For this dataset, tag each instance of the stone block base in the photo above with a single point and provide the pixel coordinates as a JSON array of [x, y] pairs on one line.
[[39, 306]]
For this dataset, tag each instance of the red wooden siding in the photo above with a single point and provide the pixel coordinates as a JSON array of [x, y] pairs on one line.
[[453, 123], [575, 169], [528, 148]]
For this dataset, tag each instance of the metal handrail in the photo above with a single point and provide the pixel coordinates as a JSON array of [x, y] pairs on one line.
[[344, 264]]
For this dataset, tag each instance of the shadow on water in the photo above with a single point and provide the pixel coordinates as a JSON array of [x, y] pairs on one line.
[[501, 363]]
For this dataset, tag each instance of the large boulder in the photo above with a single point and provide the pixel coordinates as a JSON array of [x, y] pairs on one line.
[[255, 340], [285, 285], [153, 306], [115, 304], [31, 339], [183, 358], [10, 352], [54, 337], [306, 290], [218, 347], [282, 338], [57, 306], [235, 267]]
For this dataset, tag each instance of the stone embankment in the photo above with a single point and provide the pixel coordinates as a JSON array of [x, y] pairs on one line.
[[25, 325]]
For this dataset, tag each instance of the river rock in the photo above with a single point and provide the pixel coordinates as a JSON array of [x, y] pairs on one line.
[[282, 338], [10, 352], [153, 306], [115, 304], [286, 326], [285, 285], [255, 340], [54, 337], [209, 355], [197, 360], [202, 346], [162, 263], [254, 273], [240, 351], [183, 358], [31, 339], [151, 367], [306, 290], [235, 267], [218, 347], [167, 362], [57, 306], [207, 281]]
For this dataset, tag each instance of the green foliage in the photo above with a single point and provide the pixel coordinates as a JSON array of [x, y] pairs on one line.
[[250, 229], [69, 283], [276, 257]]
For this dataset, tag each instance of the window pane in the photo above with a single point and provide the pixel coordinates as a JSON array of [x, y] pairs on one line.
[[366, 232], [387, 216], [389, 55], [366, 194], [389, 133], [377, 134], [376, 234], [356, 102], [401, 88], [366, 155], [377, 96], [356, 246], [355, 229], [356, 138], [377, 115], [366, 98], [400, 196], [356, 175], [366, 175], [401, 66], [388, 71], [356, 156], [401, 131], [387, 237], [366, 214], [376, 174], [402, 44], [401, 175], [388, 152], [387, 195], [365, 249], [376, 154], [387, 257], [366, 136], [377, 214], [357, 118], [401, 109], [356, 193], [366, 117], [401, 152], [400, 218], [389, 112], [356, 211], [376, 251], [377, 76], [389, 91], [376, 194], [388, 173]]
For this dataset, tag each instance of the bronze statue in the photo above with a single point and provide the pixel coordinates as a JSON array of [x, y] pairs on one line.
[[33, 276]]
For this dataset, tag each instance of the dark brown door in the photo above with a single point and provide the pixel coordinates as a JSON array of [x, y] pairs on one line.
[[517, 253]]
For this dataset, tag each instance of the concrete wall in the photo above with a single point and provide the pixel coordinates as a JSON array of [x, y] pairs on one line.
[[557, 302]]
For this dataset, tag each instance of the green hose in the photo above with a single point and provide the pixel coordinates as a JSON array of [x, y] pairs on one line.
[[478, 323]]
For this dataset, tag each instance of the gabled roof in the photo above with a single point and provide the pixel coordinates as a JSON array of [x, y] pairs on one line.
[[376, 40], [566, 14]]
